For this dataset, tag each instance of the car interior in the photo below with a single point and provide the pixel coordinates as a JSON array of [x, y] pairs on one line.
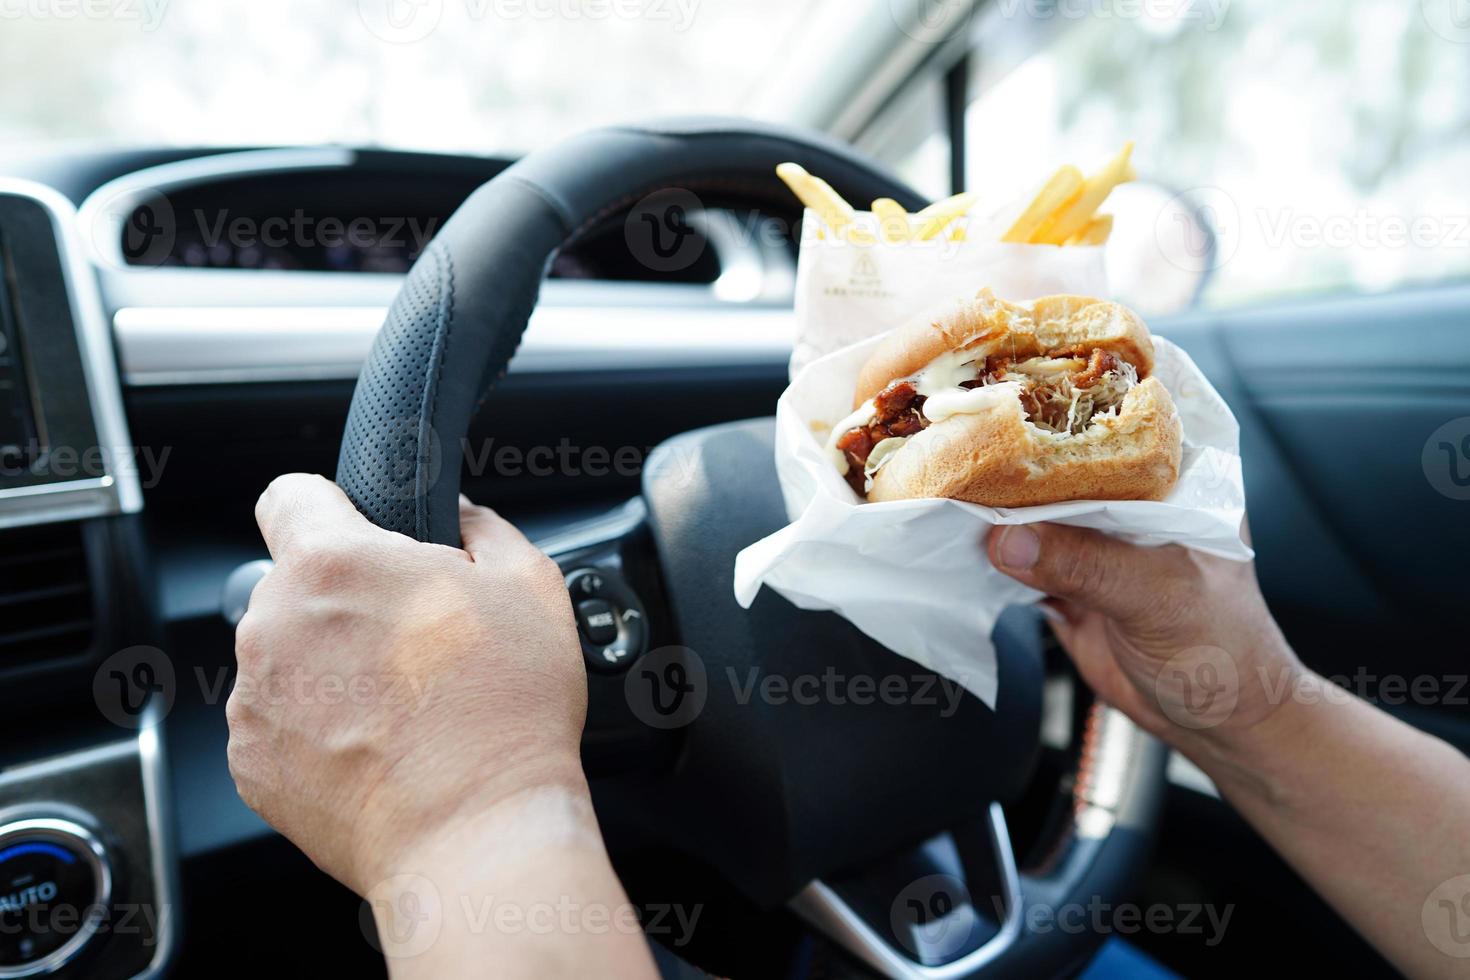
[[224, 233]]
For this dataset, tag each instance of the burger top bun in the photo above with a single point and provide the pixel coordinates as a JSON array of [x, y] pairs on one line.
[[1052, 325]]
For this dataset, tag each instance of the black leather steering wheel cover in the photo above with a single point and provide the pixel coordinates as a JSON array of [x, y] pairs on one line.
[[465, 303]]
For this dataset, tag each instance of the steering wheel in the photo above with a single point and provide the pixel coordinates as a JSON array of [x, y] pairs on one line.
[[906, 870]]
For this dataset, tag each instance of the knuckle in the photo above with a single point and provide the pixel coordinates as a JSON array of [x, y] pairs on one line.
[[237, 716], [287, 482], [476, 512], [1167, 612], [545, 577], [251, 769], [321, 560], [530, 564], [544, 568], [1083, 568], [245, 789], [239, 758], [1171, 601], [272, 494], [249, 641]]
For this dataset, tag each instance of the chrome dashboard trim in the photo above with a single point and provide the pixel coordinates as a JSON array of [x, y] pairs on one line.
[[119, 491], [92, 483], [201, 345], [49, 502], [158, 804], [612, 526]]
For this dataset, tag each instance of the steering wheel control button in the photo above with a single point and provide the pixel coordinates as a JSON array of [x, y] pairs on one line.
[[610, 658], [610, 619], [55, 883], [598, 621]]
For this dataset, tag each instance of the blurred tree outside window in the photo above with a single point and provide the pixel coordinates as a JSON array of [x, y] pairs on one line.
[[1327, 143]]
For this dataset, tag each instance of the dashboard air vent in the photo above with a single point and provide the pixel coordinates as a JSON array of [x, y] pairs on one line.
[[46, 610]]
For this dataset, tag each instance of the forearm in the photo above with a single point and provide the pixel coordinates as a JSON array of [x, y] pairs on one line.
[[1371, 811], [523, 891]]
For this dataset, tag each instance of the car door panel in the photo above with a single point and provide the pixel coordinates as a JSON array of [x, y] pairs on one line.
[[1359, 551]]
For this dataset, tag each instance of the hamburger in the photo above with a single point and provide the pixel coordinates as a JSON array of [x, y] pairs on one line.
[[1007, 405]]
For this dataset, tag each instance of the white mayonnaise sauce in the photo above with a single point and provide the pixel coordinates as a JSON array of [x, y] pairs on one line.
[[939, 382], [972, 401]]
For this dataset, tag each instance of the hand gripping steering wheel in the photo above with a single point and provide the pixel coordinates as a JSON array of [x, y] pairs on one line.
[[879, 823]]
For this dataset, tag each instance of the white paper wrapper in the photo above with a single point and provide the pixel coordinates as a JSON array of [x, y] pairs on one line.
[[913, 574], [846, 293]]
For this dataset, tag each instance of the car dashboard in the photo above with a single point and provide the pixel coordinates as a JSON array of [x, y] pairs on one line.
[[176, 328]]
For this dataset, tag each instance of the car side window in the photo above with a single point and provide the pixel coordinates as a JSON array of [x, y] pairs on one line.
[[1326, 144]]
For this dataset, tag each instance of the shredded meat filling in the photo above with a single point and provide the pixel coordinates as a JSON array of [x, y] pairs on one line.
[[899, 408], [1100, 363]]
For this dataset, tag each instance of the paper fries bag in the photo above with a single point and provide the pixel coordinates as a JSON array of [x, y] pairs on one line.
[[846, 293], [912, 574]]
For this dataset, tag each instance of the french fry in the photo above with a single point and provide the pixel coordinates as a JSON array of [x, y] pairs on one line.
[[836, 209], [794, 176], [1063, 187], [837, 203], [1095, 232], [818, 195], [1071, 218], [1063, 212], [893, 220], [933, 219]]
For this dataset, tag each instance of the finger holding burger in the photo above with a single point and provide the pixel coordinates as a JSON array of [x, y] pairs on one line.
[[1143, 624]]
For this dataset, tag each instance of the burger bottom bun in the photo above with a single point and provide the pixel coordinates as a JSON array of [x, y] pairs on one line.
[[998, 459]]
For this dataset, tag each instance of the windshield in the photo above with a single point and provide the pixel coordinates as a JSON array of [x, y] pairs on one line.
[[495, 76]]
